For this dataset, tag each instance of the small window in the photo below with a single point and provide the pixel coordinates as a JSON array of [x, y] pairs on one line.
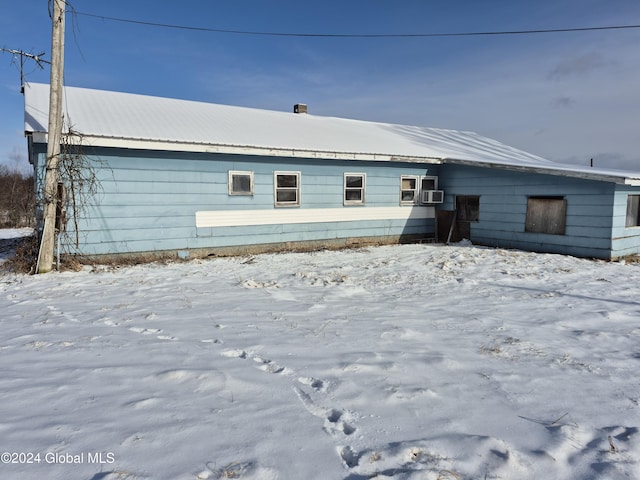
[[633, 211], [354, 185], [468, 208], [408, 190], [287, 189], [240, 183], [546, 215], [429, 183], [429, 193]]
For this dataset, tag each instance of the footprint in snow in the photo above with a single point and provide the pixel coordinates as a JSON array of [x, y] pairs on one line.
[[317, 385], [145, 331], [336, 422], [348, 456], [269, 366], [235, 353], [166, 337], [266, 365]]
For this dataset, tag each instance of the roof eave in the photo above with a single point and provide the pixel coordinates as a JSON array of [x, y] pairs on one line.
[[603, 177], [168, 145]]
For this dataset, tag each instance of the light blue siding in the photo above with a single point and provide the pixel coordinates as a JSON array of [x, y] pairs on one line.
[[503, 206], [626, 240], [148, 200]]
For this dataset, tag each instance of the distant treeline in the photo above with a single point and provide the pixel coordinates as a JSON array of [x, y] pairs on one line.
[[17, 199]]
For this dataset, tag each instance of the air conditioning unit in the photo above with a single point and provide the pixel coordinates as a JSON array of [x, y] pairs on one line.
[[432, 196]]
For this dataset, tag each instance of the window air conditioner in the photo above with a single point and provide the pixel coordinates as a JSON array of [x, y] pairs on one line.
[[432, 196]]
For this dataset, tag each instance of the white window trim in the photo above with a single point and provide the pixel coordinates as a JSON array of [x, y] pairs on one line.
[[275, 189], [636, 222], [422, 190], [416, 191], [429, 177], [344, 189], [240, 172]]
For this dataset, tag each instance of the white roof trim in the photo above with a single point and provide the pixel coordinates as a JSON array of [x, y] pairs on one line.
[[159, 145], [632, 182], [561, 170]]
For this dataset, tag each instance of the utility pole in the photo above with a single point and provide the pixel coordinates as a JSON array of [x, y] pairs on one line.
[[47, 243]]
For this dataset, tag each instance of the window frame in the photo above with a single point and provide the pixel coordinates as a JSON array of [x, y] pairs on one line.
[[415, 190], [535, 223], [434, 178], [233, 173], [296, 189], [632, 219], [346, 188]]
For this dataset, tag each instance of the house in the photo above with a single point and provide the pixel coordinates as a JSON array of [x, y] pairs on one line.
[[192, 179]]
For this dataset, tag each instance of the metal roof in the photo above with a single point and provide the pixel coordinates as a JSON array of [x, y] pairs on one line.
[[115, 119]]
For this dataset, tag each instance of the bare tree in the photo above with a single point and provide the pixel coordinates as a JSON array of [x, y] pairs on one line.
[[17, 199]]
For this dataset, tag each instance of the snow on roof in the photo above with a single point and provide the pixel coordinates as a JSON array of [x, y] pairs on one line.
[[128, 120]]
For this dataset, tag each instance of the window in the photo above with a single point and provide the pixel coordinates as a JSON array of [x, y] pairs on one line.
[[633, 211], [467, 208], [429, 183], [240, 183], [429, 192], [546, 215], [287, 189], [354, 185], [408, 189]]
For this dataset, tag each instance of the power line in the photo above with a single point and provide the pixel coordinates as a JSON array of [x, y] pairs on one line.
[[359, 35]]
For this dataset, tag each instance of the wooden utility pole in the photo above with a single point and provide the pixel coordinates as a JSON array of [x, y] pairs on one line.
[[47, 243]]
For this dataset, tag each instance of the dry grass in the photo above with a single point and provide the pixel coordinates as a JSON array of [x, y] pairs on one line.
[[25, 255]]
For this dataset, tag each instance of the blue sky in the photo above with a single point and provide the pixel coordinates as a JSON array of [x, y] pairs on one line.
[[567, 97]]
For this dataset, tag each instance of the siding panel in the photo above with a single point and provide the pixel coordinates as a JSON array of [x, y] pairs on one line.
[[503, 205], [149, 200], [626, 240]]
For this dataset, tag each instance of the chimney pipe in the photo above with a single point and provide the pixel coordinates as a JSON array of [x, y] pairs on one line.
[[300, 108]]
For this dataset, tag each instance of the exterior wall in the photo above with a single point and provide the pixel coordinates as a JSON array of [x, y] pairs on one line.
[[503, 207], [38, 158], [165, 201], [626, 240]]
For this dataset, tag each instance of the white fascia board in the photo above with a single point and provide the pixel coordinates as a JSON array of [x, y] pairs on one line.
[[37, 137], [159, 145], [560, 172]]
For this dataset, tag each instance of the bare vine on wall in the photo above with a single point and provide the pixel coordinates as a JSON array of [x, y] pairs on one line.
[[78, 184]]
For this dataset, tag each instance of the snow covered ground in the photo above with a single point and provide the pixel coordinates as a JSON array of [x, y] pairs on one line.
[[400, 362], [10, 233]]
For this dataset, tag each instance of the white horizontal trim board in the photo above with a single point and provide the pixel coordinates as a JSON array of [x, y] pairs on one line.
[[280, 216], [178, 146]]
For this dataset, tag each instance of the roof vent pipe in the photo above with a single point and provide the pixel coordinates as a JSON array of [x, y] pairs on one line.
[[300, 108]]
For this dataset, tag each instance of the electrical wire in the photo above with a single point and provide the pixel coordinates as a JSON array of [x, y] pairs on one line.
[[360, 35]]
